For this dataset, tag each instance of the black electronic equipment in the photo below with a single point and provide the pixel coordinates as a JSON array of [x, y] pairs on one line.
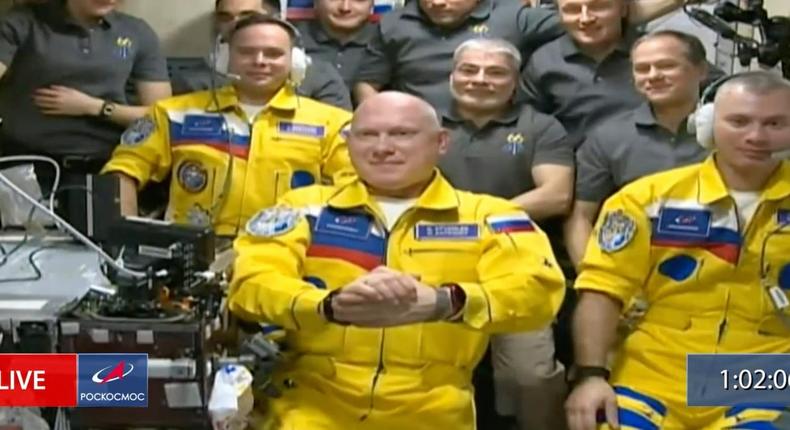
[[774, 44]]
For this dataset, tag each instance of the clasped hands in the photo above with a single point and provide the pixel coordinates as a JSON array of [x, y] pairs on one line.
[[385, 297]]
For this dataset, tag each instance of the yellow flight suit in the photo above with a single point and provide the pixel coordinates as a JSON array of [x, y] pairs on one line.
[[224, 167], [415, 377], [675, 238]]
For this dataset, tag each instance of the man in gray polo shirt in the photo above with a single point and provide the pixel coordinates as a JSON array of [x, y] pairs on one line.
[[339, 34], [520, 154], [584, 76], [65, 65], [322, 82], [413, 47], [668, 68]]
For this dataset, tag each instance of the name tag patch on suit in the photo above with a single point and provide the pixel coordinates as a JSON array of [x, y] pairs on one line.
[[203, 126], [446, 232], [685, 222], [300, 129], [349, 225]]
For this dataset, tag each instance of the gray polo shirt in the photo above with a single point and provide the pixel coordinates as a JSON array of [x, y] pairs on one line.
[[345, 57], [626, 147], [43, 46], [321, 82], [560, 80], [409, 53], [498, 158]]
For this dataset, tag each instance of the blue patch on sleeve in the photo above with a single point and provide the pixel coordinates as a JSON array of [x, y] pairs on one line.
[[446, 231], [301, 129], [301, 178], [684, 222], [678, 268], [784, 277], [783, 216]]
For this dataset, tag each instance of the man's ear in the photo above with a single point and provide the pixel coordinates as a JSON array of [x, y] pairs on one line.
[[444, 141]]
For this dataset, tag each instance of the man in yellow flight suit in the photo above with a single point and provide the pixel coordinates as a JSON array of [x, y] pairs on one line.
[[708, 246], [233, 152], [389, 286]]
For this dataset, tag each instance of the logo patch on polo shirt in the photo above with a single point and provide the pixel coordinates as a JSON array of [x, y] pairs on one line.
[[123, 47], [783, 217], [514, 144], [684, 222], [300, 129], [446, 231]]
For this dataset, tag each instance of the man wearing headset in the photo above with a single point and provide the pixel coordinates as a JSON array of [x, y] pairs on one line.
[[389, 286], [235, 151], [321, 82], [708, 247]]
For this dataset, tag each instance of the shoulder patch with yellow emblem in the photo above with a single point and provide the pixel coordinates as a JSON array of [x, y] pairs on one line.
[[616, 231], [273, 221]]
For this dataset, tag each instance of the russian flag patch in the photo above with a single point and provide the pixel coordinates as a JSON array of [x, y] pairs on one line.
[[510, 223]]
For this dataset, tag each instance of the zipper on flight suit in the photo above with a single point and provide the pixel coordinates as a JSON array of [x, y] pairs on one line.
[[380, 365]]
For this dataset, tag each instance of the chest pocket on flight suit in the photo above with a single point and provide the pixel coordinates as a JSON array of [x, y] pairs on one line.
[[775, 270], [446, 252], [295, 149], [200, 163]]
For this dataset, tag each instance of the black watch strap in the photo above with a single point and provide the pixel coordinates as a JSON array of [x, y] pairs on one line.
[[328, 311]]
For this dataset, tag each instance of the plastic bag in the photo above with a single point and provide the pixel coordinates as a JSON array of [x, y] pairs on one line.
[[22, 418], [15, 211], [231, 398]]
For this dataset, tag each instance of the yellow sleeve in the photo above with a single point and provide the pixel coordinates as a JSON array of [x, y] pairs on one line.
[[617, 257], [336, 164], [521, 285], [144, 152], [267, 283]]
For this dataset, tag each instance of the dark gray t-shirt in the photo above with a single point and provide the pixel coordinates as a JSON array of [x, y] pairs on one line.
[[498, 158], [561, 81], [626, 147], [43, 46], [409, 53], [321, 82], [346, 57]]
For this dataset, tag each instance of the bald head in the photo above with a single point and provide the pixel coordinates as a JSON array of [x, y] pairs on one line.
[[395, 143], [755, 82], [394, 101]]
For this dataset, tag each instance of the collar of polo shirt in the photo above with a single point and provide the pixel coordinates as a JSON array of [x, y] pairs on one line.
[[570, 49], [57, 13], [361, 37], [480, 12], [510, 116]]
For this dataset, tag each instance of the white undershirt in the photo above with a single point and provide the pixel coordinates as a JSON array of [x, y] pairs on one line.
[[393, 208], [746, 202], [252, 111]]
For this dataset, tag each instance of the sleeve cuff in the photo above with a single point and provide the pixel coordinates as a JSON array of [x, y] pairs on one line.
[[114, 166], [304, 309], [477, 310], [605, 285]]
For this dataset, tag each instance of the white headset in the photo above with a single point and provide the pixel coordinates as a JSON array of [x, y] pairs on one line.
[[700, 122], [300, 61]]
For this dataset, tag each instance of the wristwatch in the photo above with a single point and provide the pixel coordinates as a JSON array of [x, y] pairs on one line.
[[325, 308], [578, 374], [107, 109]]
